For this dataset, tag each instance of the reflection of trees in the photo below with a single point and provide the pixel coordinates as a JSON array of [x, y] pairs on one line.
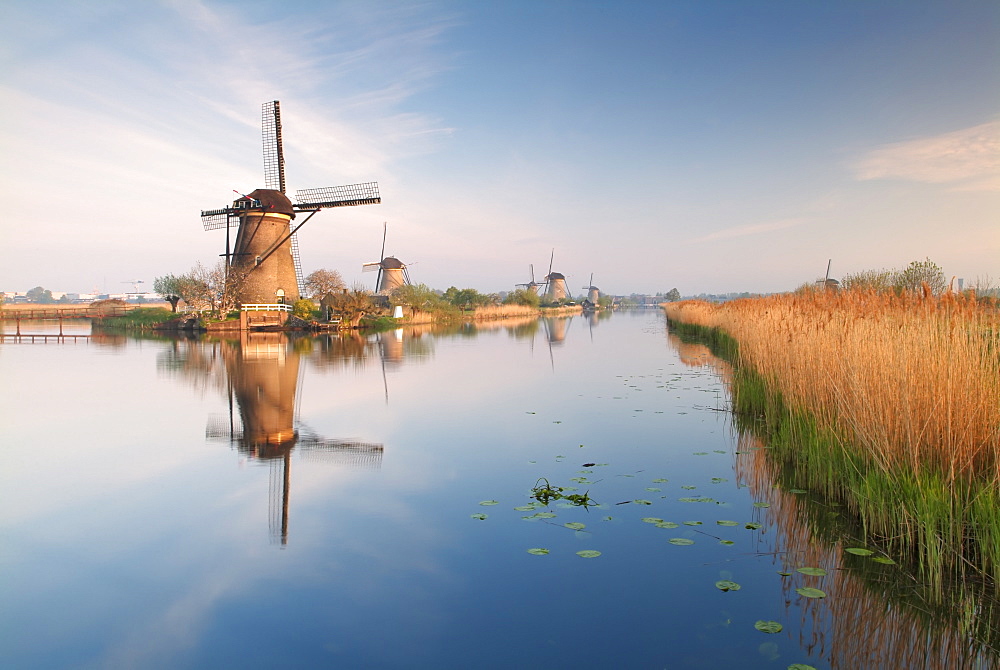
[[875, 615]]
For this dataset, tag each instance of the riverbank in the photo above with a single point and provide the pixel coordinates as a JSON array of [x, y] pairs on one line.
[[887, 404]]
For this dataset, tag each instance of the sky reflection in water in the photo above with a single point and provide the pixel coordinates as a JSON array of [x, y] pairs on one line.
[[146, 526]]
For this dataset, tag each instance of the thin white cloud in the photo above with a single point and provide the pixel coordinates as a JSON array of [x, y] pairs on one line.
[[744, 231], [968, 158]]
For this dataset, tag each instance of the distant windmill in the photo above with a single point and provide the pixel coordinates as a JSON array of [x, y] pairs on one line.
[[265, 256], [391, 271], [531, 286], [593, 293], [555, 283]]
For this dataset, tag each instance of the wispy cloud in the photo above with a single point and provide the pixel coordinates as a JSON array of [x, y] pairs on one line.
[[751, 229], [968, 158]]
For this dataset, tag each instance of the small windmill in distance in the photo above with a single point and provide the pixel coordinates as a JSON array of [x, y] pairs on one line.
[[555, 283], [532, 286], [593, 294], [391, 271], [265, 256]]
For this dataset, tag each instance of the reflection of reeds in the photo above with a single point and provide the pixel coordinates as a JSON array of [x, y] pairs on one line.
[[875, 616], [890, 401]]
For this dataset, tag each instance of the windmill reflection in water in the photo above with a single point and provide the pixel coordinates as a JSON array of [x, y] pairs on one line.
[[263, 374]]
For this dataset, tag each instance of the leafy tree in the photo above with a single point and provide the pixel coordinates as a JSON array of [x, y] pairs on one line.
[[42, 295], [523, 296], [673, 295], [467, 298], [170, 287], [417, 296], [869, 280], [352, 305], [304, 308], [322, 282], [916, 274]]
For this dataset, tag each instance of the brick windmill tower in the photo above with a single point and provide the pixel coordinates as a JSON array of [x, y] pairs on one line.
[[263, 267]]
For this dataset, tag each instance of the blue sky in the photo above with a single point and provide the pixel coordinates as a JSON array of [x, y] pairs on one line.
[[708, 146]]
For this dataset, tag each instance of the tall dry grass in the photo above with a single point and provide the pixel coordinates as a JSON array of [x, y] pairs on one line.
[[914, 381], [905, 391]]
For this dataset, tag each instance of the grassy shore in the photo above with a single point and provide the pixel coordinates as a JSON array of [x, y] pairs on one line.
[[889, 403]]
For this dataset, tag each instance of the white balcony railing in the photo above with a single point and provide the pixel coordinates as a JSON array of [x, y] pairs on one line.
[[263, 307]]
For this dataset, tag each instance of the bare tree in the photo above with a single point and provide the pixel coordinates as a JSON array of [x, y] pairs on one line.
[[323, 282]]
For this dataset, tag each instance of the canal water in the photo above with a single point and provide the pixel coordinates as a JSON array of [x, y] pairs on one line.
[[377, 502]]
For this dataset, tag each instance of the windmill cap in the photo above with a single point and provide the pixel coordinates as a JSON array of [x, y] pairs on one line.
[[273, 201], [556, 275], [392, 263]]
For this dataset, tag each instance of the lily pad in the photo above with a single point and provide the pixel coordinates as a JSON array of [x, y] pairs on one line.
[[726, 542], [810, 592], [660, 480], [692, 523], [651, 519], [752, 525], [642, 502], [858, 551], [480, 516], [689, 488], [543, 515], [727, 585], [538, 551], [813, 572], [490, 502], [653, 489], [719, 480], [784, 574], [761, 504], [667, 524], [575, 525], [768, 626], [797, 491], [588, 553], [801, 666], [524, 508], [700, 453], [723, 522], [681, 541]]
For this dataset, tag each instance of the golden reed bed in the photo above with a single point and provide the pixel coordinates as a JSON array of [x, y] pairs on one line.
[[912, 380]]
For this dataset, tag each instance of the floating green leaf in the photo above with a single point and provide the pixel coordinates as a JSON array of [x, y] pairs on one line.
[[858, 551], [588, 553], [692, 523], [580, 480], [797, 491], [651, 519], [542, 515], [719, 480], [667, 524], [524, 508], [814, 572], [575, 525], [810, 592], [490, 502], [761, 504], [800, 666], [642, 502], [768, 626], [660, 480], [884, 559], [727, 585], [538, 551], [726, 542], [689, 488], [681, 541], [607, 518], [480, 516], [723, 522], [700, 453], [784, 574], [700, 499], [753, 525], [719, 451], [653, 489]]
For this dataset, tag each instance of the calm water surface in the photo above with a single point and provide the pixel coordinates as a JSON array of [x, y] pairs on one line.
[[313, 502]]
